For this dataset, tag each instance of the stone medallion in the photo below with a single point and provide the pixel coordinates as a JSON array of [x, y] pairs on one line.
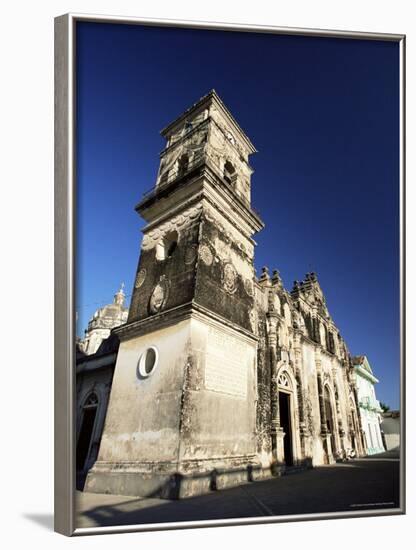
[[229, 278], [141, 276], [190, 254], [206, 254], [159, 296], [248, 285]]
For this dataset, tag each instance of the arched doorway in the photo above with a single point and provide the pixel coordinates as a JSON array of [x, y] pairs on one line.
[[286, 411], [88, 418]]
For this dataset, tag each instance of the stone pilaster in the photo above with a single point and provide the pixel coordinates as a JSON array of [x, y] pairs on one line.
[[276, 431], [322, 410], [301, 405], [325, 435]]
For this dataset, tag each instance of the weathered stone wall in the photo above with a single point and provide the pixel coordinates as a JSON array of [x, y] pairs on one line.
[[224, 282], [218, 419], [263, 403], [170, 266]]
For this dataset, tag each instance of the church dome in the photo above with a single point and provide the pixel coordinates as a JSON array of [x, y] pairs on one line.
[[110, 315]]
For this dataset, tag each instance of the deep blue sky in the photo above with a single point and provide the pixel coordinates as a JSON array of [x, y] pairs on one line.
[[323, 114]]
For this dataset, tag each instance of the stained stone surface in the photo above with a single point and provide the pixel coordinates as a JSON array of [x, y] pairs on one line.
[[252, 378]]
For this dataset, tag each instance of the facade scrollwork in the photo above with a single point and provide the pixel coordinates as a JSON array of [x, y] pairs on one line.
[[178, 223], [229, 278]]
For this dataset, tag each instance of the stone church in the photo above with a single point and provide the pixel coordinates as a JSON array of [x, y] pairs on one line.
[[217, 377]]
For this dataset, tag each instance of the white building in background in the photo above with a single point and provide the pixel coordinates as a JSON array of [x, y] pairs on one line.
[[368, 405], [103, 321]]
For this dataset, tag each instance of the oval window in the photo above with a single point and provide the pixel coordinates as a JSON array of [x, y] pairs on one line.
[[148, 362]]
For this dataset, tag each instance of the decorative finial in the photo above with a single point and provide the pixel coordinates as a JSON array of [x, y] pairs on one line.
[[265, 274], [120, 296]]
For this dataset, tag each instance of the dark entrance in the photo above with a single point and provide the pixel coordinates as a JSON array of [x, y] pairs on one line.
[[284, 407], [85, 434]]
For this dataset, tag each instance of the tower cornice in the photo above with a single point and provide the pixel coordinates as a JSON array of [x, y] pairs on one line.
[[195, 182]]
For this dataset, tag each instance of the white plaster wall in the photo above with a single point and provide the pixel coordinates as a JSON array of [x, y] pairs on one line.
[[392, 441], [143, 415], [222, 413], [95, 338], [371, 426], [369, 418]]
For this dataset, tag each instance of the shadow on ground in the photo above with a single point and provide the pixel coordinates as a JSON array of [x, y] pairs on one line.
[[361, 484]]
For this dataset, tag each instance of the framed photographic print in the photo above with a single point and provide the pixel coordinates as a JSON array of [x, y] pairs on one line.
[[229, 250]]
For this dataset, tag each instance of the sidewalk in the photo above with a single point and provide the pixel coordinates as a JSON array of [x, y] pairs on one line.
[[370, 483]]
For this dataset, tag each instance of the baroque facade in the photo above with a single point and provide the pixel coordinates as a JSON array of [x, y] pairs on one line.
[[220, 377]]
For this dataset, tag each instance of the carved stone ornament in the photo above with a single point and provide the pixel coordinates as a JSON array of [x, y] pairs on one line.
[[248, 285], [283, 380], [141, 276], [229, 278], [177, 223], [159, 296], [253, 321], [228, 236], [206, 254], [190, 254]]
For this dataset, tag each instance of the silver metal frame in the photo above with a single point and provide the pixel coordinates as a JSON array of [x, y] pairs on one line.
[[65, 260]]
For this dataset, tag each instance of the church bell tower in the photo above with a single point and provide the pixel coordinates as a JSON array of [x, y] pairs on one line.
[[181, 417]]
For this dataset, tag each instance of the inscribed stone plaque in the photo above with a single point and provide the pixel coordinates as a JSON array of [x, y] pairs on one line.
[[226, 364]]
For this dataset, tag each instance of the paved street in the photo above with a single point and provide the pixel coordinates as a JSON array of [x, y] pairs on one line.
[[370, 483]]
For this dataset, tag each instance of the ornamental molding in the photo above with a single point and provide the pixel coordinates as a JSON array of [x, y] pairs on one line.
[[283, 381], [178, 223], [176, 314], [213, 217], [186, 218]]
